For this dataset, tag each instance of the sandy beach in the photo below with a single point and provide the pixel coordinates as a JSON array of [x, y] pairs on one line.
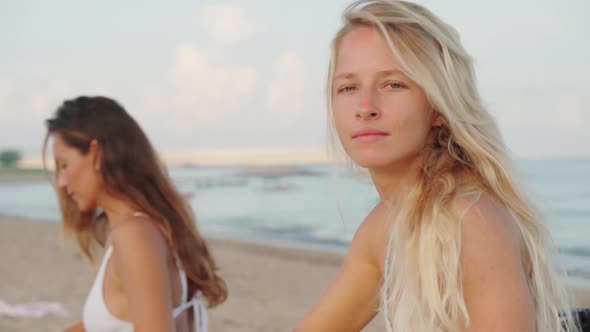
[[270, 287]]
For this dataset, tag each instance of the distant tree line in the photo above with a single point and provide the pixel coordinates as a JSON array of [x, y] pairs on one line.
[[9, 158]]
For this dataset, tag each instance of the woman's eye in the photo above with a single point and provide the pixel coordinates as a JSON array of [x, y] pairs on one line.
[[394, 85], [346, 89]]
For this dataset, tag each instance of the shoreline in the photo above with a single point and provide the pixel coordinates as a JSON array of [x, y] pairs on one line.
[[578, 275], [270, 287]]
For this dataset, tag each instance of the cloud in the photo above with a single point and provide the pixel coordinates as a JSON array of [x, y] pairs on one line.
[[540, 113], [285, 91], [294, 102], [226, 24], [22, 115], [5, 92], [230, 104], [202, 102], [46, 100], [546, 125], [202, 84], [38, 104], [570, 113]]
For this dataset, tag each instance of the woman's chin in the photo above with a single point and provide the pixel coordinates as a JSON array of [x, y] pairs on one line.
[[371, 162], [370, 157], [85, 208]]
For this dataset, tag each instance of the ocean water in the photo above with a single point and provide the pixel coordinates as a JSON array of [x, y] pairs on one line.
[[322, 206]]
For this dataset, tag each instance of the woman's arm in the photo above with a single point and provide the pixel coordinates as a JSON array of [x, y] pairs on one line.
[[352, 299], [140, 256]]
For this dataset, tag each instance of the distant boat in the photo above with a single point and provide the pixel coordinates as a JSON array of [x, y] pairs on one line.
[[275, 172], [187, 195], [206, 183], [278, 187]]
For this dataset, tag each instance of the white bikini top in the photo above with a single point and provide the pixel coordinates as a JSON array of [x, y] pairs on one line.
[[97, 318]]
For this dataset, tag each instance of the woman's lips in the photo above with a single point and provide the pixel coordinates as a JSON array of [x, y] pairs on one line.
[[367, 135]]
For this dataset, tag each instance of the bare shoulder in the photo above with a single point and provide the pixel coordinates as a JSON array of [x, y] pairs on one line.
[[375, 222], [492, 245], [141, 263], [139, 239], [372, 236], [494, 277], [487, 224]]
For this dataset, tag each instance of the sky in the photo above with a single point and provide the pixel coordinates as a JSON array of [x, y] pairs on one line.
[[251, 74]]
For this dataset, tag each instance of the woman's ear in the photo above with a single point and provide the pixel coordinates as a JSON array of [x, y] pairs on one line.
[[438, 120], [96, 151]]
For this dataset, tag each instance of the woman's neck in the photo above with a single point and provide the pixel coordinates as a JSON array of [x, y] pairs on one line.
[[392, 182], [116, 210]]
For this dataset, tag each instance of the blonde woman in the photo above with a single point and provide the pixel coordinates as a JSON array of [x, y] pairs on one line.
[[453, 245]]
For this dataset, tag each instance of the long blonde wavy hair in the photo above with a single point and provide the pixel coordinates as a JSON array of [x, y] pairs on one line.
[[423, 285]]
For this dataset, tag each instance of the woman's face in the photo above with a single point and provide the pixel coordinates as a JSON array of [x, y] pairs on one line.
[[382, 117], [78, 174]]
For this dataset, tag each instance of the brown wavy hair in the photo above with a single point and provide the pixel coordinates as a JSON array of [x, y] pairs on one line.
[[132, 171]]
